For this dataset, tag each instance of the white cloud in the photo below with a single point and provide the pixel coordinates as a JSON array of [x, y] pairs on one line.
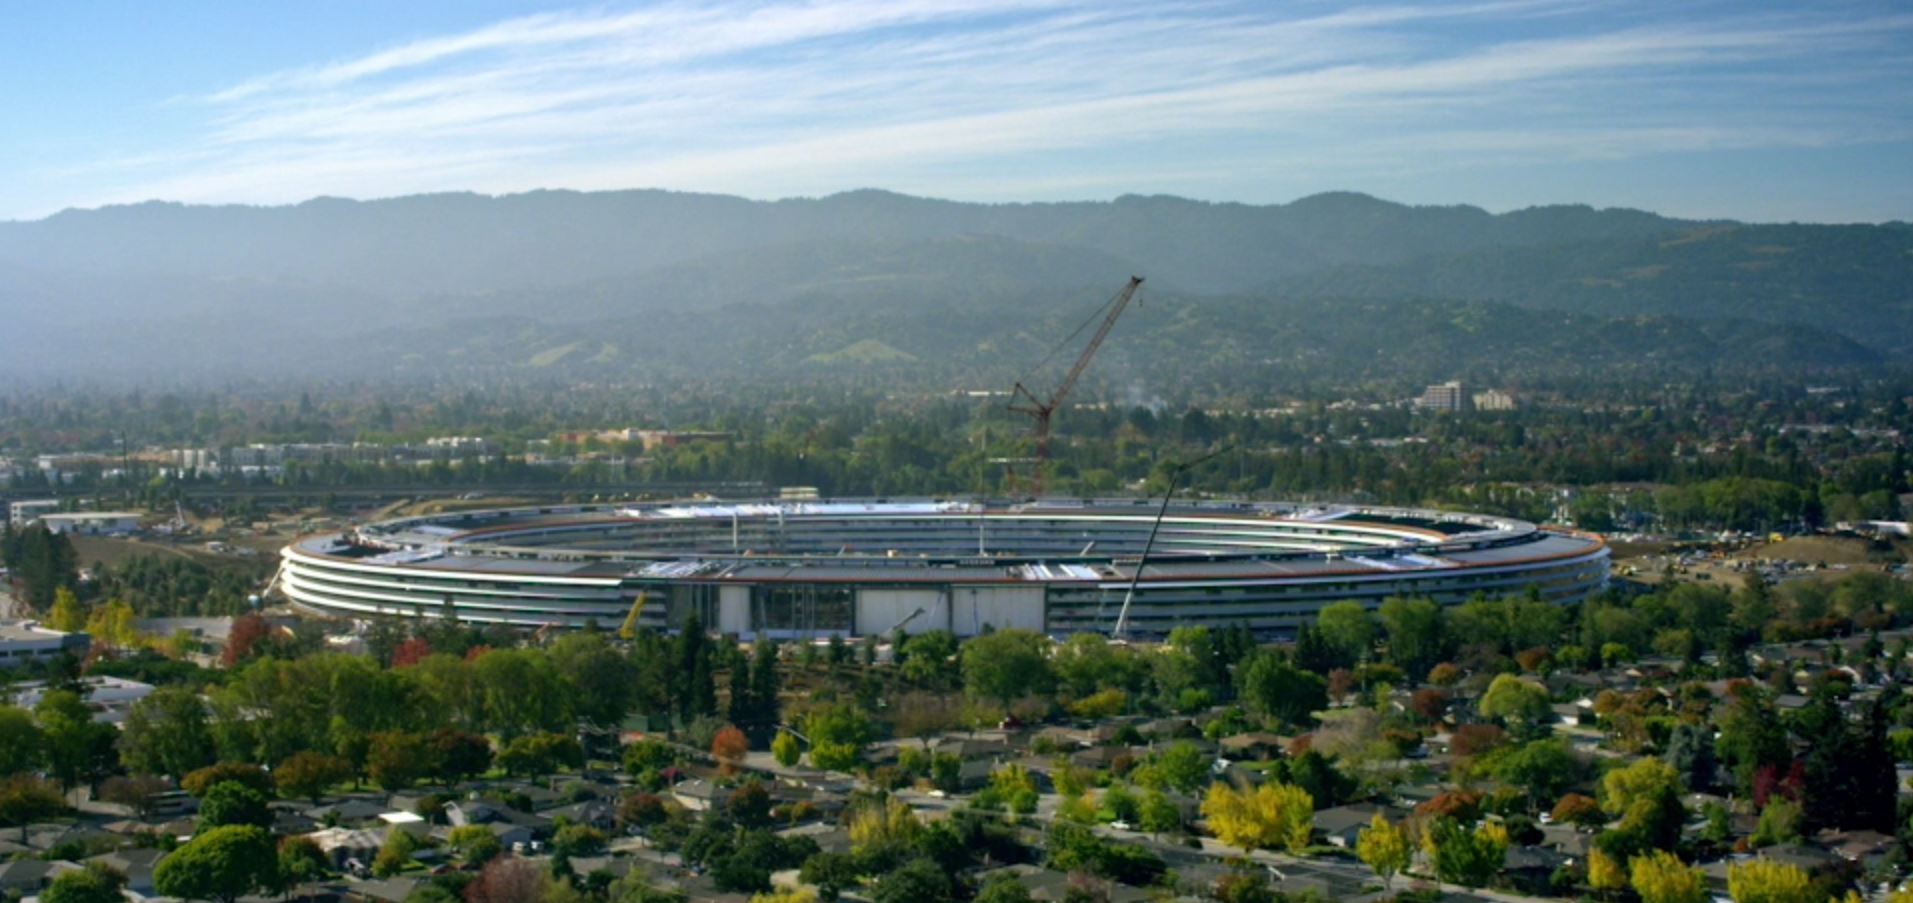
[[774, 98]]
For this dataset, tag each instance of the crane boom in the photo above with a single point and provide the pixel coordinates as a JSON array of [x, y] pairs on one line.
[[1024, 401]]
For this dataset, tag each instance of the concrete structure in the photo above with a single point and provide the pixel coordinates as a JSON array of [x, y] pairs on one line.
[[109, 697], [1494, 400], [93, 523], [26, 641], [799, 570], [1448, 396], [25, 512]]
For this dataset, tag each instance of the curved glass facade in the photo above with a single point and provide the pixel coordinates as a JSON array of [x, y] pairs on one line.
[[850, 568]]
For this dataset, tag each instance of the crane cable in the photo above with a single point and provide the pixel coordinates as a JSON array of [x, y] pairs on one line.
[[1070, 339]]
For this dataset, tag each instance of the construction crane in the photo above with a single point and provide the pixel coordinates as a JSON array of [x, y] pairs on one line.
[[1025, 401], [1176, 472]]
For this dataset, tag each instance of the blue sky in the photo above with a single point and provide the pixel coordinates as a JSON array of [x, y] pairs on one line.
[[1750, 111]]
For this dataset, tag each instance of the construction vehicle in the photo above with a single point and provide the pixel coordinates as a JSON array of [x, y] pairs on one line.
[[1025, 401], [629, 629]]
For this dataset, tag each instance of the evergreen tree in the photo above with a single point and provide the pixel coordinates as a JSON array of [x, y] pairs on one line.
[[1690, 749], [1313, 653], [1850, 775], [694, 686]]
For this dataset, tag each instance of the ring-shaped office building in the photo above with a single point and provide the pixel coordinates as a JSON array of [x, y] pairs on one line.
[[796, 570]]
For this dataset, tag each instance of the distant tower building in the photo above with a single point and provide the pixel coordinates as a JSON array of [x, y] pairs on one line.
[[1447, 396], [1494, 400]]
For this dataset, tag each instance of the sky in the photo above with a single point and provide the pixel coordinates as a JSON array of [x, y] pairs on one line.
[[1754, 111]]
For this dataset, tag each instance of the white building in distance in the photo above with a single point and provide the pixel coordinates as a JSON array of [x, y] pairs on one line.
[[92, 523], [25, 641]]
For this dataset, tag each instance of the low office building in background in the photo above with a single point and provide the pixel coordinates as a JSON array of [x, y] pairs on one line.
[[27, 511], [27, 641], [93, 523]]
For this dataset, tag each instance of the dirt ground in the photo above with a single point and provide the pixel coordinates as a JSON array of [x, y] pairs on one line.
[[1829, 550], [112, 550]]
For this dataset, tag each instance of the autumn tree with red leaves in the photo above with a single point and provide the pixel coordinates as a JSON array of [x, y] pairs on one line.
[[508, 880], [729, 747], [248, 631], [411, 652]]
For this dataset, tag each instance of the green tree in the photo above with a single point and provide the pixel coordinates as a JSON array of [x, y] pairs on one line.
[[837, 732], [1159, 814], [1780, 822], [25, 799], [475, 844], [693, 688], [1413, 627], [222, 865], [929, 659], [917, 881], [78, 749], [233, 803], [539, 754], [309, 774], [1751, 737], [1690, 749], [200, 781], [1646, 796], [1384, 848], [1183, 766], [786, 750], [1520, 704], [600, 682], [167, 733], [94, 884], [1461, 856], [1274, 688], [1007, 665], [21, 745], [1543, 768], [1348, 628], [397, 759], [395, 854], [522, 692], [300, 861], [1003, 889]]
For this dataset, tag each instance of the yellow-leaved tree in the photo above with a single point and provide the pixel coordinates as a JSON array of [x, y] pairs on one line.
[[1384, 848], [112, 625], [886, 824], [1605, 874], [1269, 815], [65, 614], [1661, 877], [1765, 881], [787, 895]]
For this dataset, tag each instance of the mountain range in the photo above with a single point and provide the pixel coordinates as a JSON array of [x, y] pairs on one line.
[[659, 284]]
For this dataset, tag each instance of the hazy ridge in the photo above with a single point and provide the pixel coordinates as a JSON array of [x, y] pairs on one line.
[[420, 285]]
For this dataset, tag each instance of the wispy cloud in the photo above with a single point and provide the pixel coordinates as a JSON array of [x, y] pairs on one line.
[[1067, 97]]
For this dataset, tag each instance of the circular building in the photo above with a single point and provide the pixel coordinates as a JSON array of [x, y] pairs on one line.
[[854, 568]]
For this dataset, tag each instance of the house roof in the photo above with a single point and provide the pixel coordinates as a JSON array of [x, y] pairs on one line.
[[385, 890], [1337, 819]]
